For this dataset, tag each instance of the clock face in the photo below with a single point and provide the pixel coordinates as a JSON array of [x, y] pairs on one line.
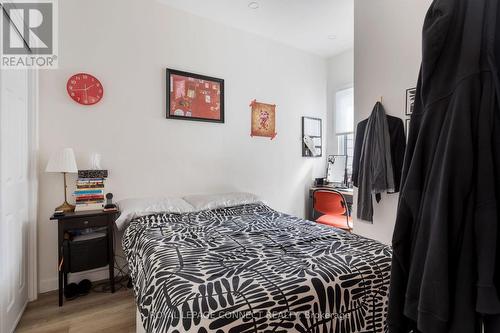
[[85, 89]]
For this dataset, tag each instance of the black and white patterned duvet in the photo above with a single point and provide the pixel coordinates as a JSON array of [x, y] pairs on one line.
[[252, 269]]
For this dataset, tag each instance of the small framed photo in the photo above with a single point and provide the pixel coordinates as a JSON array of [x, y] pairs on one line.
[[312, 131], [410, 100], [194, 97]]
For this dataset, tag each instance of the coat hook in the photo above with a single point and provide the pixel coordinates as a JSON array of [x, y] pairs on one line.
[[381, 99]]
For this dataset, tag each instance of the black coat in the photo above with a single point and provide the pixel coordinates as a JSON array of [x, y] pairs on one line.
[[445, 239], [398, 146]]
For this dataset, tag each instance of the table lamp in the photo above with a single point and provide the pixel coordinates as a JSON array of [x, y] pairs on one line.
[[63, 161]]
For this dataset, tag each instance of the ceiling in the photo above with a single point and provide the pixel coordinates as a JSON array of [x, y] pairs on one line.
[[323, 27]]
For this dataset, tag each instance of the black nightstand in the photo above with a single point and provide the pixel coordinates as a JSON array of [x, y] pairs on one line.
[[83, 220]]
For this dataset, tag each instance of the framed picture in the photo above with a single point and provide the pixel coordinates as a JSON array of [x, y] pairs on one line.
[[263, 120], [194, 97], [312, 132], [337, 169], [410, 100]]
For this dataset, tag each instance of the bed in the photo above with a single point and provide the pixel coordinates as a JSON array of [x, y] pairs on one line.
[[249, 268]]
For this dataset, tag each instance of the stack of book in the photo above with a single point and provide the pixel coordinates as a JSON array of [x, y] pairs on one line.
[[89, 194]]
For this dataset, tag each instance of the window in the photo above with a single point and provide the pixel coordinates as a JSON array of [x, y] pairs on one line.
[[344, 126]]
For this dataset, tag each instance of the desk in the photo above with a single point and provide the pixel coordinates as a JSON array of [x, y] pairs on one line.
[[347, 193]]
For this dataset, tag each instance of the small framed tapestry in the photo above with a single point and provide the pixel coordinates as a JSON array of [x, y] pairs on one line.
[[194, 97], [263, 119], [410, 100]]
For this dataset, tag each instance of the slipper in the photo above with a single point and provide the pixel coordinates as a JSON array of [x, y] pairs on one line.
[[84, 287], [71, 291]]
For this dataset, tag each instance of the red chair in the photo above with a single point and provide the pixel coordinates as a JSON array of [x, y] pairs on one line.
[[333, 208]]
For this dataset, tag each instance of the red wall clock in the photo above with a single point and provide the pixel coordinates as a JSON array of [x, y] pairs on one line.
[[85, 89]]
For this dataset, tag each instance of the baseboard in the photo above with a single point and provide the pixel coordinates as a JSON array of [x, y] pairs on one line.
[[19, 316], [93, 275]]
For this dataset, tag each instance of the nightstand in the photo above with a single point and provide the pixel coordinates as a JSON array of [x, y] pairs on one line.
[[75, 221]]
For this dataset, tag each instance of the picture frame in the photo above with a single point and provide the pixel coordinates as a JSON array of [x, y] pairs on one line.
[[313, 128], [337, 164], [194, 97], [263, 120], [410, 100]]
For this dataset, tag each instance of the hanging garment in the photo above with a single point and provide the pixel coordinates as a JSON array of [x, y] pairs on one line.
[[445, 253], [398, 146], [375, 174]]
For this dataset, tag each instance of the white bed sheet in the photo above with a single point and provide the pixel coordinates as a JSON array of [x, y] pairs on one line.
[[138, 322]]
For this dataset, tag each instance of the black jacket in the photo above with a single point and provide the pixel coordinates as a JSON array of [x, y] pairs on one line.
[[445, 253], [398, 146]]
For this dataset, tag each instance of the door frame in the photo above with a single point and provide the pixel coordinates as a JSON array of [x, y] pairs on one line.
[[33, 174], [33, 144], [33, 148]]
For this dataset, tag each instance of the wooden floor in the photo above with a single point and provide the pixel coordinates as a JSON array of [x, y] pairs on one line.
[[96, 312]]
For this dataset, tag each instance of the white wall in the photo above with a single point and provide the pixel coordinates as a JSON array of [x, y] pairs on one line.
[[127, 45], [387, 44], [340, 76]]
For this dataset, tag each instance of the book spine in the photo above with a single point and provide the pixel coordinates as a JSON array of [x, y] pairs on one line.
[[90, 198], [84, 192], [89, 186], [83, 195], [85, 202], [82, 208], [92, 173], [90, 181]]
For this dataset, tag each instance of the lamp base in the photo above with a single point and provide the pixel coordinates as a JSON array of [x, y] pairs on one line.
[[66, 207]]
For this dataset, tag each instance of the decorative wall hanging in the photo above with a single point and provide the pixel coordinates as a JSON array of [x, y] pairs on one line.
[[263, 119], [410, 100], [194, 97], [312, 137], [85, 89]]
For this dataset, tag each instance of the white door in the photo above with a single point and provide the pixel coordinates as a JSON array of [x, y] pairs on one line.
[[16, 194]]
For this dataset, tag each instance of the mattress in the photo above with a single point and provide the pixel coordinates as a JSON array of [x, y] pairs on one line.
[[250, 268]]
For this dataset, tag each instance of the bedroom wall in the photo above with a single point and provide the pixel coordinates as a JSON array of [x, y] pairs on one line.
[[340, 76], [127, 45], [387, 55]]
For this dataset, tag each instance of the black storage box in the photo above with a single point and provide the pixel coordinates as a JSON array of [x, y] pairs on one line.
[[84, 253]]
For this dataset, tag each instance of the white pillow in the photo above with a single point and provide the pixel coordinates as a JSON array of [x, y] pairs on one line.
[[213, 201], [132, 208]]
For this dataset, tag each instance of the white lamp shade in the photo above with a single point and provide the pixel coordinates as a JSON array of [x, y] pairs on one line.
[[62, 161]]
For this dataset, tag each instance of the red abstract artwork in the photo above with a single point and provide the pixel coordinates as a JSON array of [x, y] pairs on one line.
[[195, 97]]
